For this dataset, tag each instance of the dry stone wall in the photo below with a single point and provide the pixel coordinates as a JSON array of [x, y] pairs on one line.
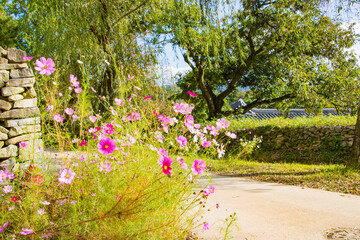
[[19, 114], [300, 138]]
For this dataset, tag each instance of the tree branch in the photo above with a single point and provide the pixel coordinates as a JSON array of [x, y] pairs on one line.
[[258, 102], [130, 12]]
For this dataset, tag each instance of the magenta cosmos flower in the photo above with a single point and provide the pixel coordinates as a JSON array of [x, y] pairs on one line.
[[66, 176], [198, 166], [191, 94], [45, 66], [166, 165], [4, 226], [106, 146]]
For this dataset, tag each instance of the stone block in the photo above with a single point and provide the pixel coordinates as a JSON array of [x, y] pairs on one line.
[[8, 91], [9, 151], [4, 105], [3, 52], [20, 113], [15, 97], [2, 144], [3, 136], [10, 66], [21, 82], [21, 138], [26, 103], [3, 130], [16, 131], [33, 151], [7, 164], [15, 55], [3, 60], [22, 122], [4, 77], [21, 73]]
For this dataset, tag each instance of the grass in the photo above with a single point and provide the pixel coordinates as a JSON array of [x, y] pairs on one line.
[[319, 121], [330, 177]]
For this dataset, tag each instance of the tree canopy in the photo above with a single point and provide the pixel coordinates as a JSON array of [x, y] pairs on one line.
[[283, 51]]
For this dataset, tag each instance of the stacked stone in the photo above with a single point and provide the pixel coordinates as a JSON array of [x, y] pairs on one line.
[[19, 114]]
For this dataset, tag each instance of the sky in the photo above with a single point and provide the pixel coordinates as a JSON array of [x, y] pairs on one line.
[[171, 62]]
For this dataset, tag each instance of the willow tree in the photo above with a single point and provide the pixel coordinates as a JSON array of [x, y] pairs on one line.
[[282, 50], [102, 34]]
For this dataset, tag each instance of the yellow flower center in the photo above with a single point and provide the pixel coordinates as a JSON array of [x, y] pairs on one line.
[[165, 167], [106, 146], [197, 166], [104, 167], [67, 176], [45, 66]]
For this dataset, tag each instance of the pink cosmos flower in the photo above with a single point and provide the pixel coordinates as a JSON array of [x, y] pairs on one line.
[[230, 134], [105, 166], [58, 118], [162, 152], [60, 94], [119, 102], [206, 144], [4, 226], [41, 211], [7, 189], [198, 166], [189, 121], [69, 111], [206, 226], [14, 198], [70, 88], [191, 94], [75, 117], [106, 146], [45, 66], [27, 58], [209, 190], [82, 143], [133, 116], [93, 119], [83, 157], [78, 90], [26, 231], [182, 163], [93, 89], [66, 176], [137, 88], [73, 81], [22, 144], [222, 123], [148, 97], [181, 140], [50, 108], [166, 165]]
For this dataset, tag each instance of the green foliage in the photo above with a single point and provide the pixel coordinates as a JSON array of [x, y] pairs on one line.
[[285, 52], [9, 30]]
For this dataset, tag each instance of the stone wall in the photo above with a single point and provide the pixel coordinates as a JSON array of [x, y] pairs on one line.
[[300, 138], [19, 114]]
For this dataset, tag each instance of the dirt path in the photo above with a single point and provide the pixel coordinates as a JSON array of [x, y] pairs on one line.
[[269, 211]]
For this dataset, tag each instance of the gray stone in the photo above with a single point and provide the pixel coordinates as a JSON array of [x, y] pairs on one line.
[[3, 52], [4, 105], [2, 144], [15, 97], [21, 73], [26, 103], [15, 55], [31, 92], [9, 151], [4, 130], [33, 151], [3, 136], [8, 164], [22, 122], [15, 131], [20, 113], [21, 138], [8, 91], [21, 82], [4, 77], [3, 60], [12, 66]]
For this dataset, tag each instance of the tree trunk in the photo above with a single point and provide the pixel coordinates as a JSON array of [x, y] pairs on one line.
[[356, 145]]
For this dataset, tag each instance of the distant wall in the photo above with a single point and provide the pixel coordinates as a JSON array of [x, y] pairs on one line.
[[19, 114], [300, 138]]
